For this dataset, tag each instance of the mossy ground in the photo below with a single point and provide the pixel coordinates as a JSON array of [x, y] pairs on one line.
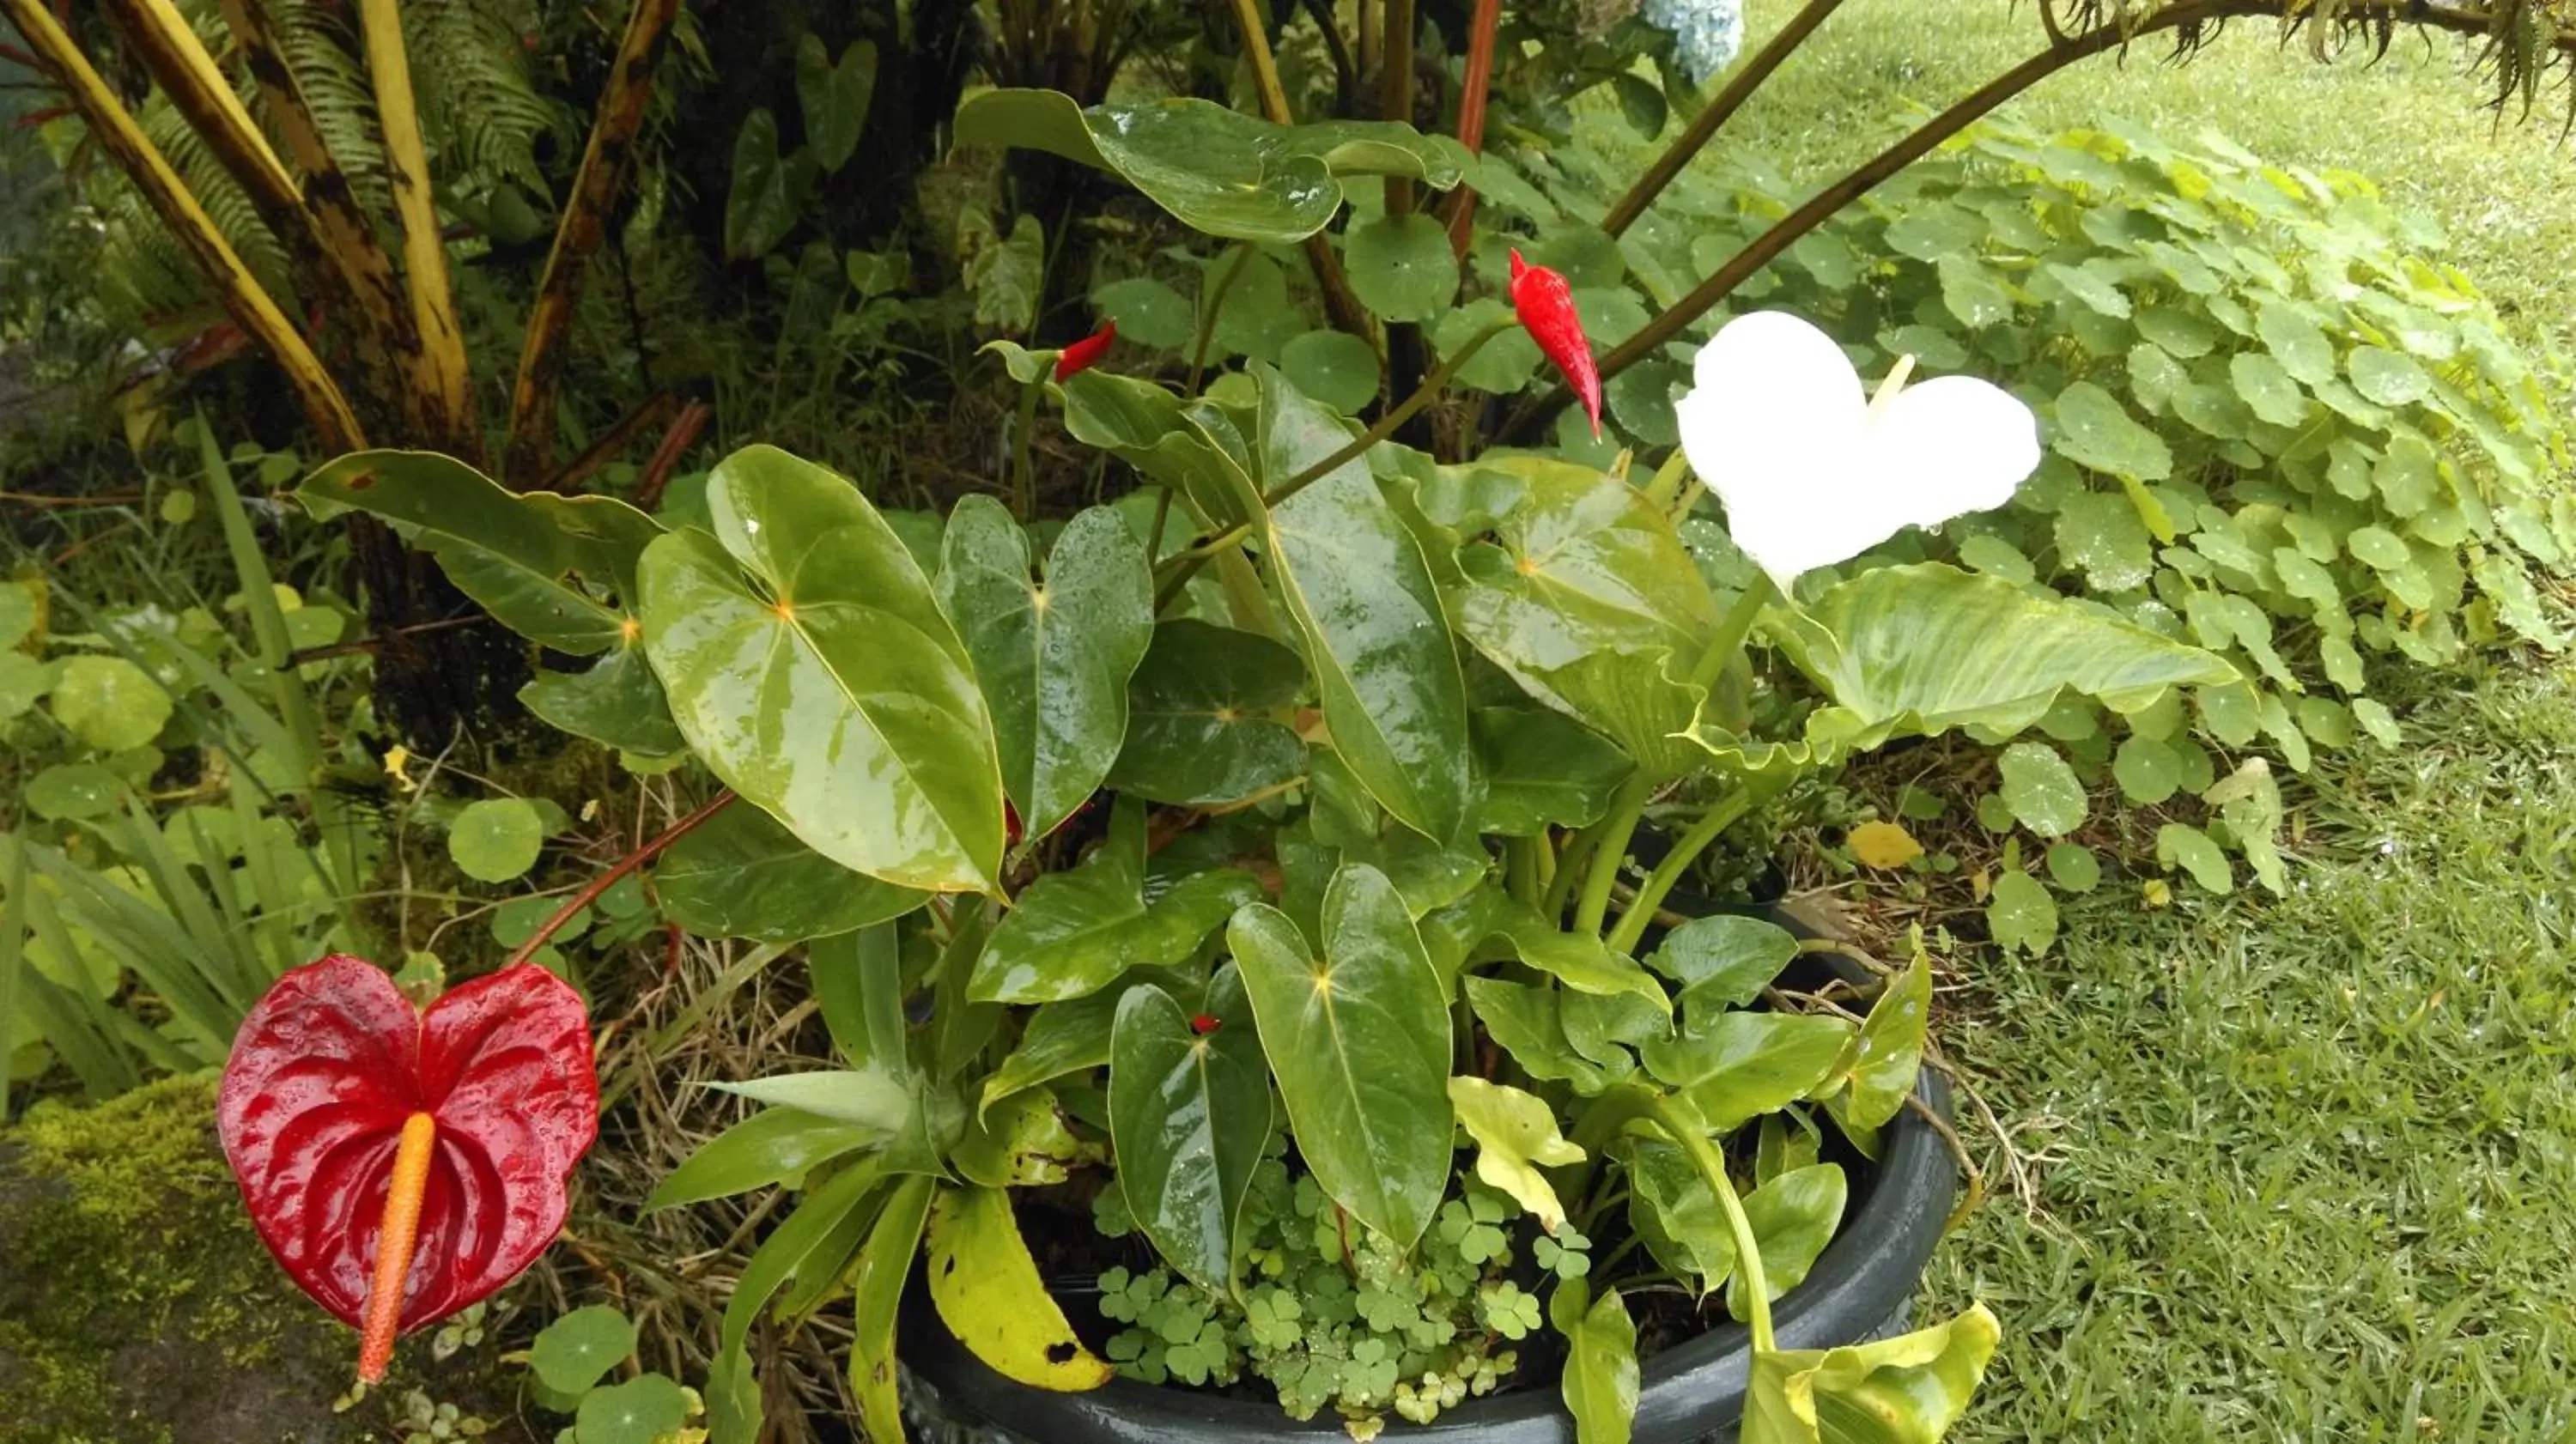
[[136, 1303]]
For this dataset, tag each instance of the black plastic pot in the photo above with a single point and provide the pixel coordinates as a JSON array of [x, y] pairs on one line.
[[1861, 1288]]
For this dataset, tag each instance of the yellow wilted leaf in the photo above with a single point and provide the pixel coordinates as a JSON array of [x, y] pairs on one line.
[[1884, 844]]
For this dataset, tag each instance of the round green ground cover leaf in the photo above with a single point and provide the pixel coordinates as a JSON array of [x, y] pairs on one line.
[[1505, 364], [23, 679], [1215, 168], [2021, 915], [575, 1351], [834, 693], [2391, 378], [639, 1411], [2295, 340], [1148, 312], [1203, 716], [2074, 867], [1334, 367], [2268, 387], [1052, 655], [497, 839], [1189, 1116], [109, 703], [1401, 267], [2095, 430], [740, 874], [2181, 845], [2041, 789], [1359, 1042], [2148, 770], [73, 790], [1361, 595], [17, 613], [2101, 533]]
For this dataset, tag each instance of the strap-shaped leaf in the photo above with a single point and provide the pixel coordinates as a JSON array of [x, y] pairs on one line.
[[1218, 170], [1053, 657], [826, 685], [986, 1288]]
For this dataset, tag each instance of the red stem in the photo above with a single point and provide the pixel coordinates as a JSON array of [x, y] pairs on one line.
[[1471, 113], [676, 442], [589, 894]]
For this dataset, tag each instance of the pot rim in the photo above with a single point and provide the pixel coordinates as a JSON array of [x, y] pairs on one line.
[[1862, 1281]]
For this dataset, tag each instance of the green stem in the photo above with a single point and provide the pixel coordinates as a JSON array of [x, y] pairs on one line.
[[1610, 852], [1686, 850], [1748, 1249], [1520, 868], [1748, 78], [1666, 488], [1388, 424], [1732, 629], [1211, 303], [1024, 487], [1185, 565]]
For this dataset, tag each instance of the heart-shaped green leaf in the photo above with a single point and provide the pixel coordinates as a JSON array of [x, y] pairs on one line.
[[1362, 598], [1889, 1051], [1216, 169], [514, 554], [1053, 657], [1723, 961], [768, 193], [834, 98], [812, 670], [741, 875], [1541, 769], [616, 702], [1578, 960], [1905, 1390], [1529, 1024], [1189, 1116], [1793, 1216], [1072, 933], [1359, 1041], [1738, 1066], [1193, 448], [1588, 600], [1917, 650], [1204, 717]]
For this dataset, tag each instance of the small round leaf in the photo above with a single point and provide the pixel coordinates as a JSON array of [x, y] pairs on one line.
[[1401, 267], [110, 703], [497, 839], [575, 1351], [1333, 367]]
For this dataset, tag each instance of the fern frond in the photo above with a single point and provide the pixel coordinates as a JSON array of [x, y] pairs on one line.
[[476, 99], [321, 50]]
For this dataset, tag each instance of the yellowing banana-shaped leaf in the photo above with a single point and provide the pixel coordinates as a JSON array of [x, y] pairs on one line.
[[1905, 1390], [986, 1289]]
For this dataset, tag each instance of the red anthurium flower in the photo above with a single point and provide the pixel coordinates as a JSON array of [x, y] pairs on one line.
[[403, 1164], [1203, 1025], [1545, 305], [1082, 355]]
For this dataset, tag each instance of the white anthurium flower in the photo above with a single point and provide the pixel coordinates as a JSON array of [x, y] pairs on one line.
[[1813, 472]]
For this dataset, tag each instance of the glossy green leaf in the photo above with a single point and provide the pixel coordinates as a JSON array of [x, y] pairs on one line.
[[638, 1411], [1206, 717], [1793, 1216], [1671, 1208], [1738, 1066], [1588, 600], [771, 1146], [741, 875], [1361, 594], [1359, 1041], [1907, 1390], [986, 1288], [515, 554], [826, 686], [1193, 448], [1529, 1024], [1060, 1038], [883, 1264], [1053, 655], [1541, 769], [1516, 1136], [1600, 1384], [1889, 1051], [617, 702], [1071, 933], [1578, 960], [1908, 650], [834, 98], [1216, 169], [1723, 961], [2041, 789], [1189, 1115], [1401, 267]]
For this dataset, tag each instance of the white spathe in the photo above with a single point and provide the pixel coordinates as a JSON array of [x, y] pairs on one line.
[[1777, 424]]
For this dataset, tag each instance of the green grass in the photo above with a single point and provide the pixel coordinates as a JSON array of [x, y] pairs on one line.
[[2414, 122], [2307, 1165], [2302, 1169]]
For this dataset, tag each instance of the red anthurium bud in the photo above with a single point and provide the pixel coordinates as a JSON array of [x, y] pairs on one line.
[[403, 1164], [1545, 305], [1203, 1025], [1082, 355], [1012, 827]]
